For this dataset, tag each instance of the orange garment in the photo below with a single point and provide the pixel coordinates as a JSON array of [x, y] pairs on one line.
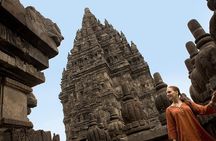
[[182, 124]]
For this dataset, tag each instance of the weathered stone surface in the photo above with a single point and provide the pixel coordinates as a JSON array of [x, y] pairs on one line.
[[101, 62], [20, 70], [27, 135], [161, 100], [45, 35], [27, 42], [13, 103], [21, 48], [150, 135], [201, 66], [95, 133]]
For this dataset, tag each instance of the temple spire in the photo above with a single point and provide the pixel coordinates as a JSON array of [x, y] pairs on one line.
[[88, 19]]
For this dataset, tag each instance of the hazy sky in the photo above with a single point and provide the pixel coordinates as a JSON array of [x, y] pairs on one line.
[[158, 28]]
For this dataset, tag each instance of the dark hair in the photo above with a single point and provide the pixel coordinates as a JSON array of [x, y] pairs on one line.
[[175, 89]]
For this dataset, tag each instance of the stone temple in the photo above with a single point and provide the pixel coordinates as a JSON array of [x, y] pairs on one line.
[[108, 92], [27, 41]]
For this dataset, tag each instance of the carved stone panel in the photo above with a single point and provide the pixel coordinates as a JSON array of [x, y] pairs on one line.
[[14, 103]]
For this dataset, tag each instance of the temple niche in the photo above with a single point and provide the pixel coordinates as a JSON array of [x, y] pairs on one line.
[[107, 88], [27, 42]]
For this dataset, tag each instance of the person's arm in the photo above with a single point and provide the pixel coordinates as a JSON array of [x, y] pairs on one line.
[[171, 126], [210, 108]]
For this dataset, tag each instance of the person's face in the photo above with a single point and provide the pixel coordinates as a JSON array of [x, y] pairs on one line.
[[171, 94]]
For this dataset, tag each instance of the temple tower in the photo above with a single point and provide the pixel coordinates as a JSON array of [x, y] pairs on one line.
[[99, 64]]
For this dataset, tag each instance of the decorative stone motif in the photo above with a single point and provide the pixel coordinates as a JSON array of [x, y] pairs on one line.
[[96, 134], [99, 63], [201, 66], [132, 113], [116, 127], [28, 41], [161, 100]]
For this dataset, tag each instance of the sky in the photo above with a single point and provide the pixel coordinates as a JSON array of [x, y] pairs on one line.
[[158, 28]]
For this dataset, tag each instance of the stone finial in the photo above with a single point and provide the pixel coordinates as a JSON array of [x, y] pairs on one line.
[[158, 81], [87, 10], [199, 34], [211, 4], [189, 65], [122, 35], [161, 101], [88, 19], [191, 48], [196, 29], [133, 47], [212, 23], [157, 78], [106, 22]]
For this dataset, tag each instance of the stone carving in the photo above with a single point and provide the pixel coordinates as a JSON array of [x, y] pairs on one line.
[[116, 127], [161, 100], [28, 135], [198, 89], [212, 29], [131, 109], [204, 70], [201, 66], [96, 134], [23, 56], [132, 112], [47, 27], [100, 62], [31, 102]]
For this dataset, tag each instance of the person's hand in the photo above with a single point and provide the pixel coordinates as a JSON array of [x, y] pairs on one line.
[[213, 99], [212, 102]]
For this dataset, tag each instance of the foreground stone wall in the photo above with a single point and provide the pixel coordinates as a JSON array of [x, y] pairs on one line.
[[23, 134], [27, 42]]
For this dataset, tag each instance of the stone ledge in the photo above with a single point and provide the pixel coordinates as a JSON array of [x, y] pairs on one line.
[[21, 48], [159, 134], [13, 15], [20, 70], [5, 122]]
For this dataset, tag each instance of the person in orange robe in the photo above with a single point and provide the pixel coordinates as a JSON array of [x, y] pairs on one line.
[[182, 124]]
